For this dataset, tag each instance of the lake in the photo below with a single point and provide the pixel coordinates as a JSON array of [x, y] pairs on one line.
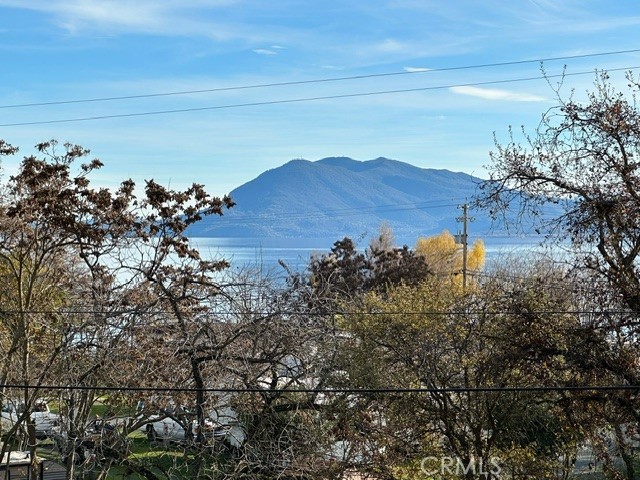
[[295, 252]]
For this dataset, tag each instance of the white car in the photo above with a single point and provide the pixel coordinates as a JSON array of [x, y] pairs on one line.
[[165, 427], [43, 418], [228, 428]]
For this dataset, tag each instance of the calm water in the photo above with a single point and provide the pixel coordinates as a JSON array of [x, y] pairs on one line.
[[265, 252], [296, 252]]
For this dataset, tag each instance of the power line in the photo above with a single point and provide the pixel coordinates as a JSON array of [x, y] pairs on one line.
[[569, 388], [226, 220], [314, 81], [301, 100], [88, 311]]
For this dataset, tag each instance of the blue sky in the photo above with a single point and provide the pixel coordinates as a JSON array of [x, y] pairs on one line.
[[65, 50]]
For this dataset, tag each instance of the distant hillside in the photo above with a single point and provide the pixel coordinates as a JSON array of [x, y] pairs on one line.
[[339, 196]]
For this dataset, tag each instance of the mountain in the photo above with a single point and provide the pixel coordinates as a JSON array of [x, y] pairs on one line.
[[339, 196]]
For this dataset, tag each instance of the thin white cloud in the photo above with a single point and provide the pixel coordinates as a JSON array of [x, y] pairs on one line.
[[390, 45], [138, 16], [416, 69], [264, 51], [497, 94]]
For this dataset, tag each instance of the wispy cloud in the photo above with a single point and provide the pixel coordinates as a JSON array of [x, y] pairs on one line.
[[135, 16], [497, 94], [416, 69], [390, 45], [264, 51]]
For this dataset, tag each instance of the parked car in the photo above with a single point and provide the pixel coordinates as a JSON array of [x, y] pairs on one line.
[[98, 438], [168, 426], [221, 425], [228, 429], [44, 419]]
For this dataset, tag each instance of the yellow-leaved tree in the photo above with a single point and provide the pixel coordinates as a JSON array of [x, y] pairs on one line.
[[445, 257]]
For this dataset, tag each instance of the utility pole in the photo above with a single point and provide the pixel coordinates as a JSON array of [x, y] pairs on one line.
[[463, 240]]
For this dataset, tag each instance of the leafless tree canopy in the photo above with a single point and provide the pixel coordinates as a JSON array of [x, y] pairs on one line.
[[157, 363], [583, 157]]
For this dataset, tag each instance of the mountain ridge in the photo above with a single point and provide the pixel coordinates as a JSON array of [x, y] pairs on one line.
[[340, 196]]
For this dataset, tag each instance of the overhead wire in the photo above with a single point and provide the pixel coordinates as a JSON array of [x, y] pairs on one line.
[[285, 312], [418, 205], [514, 389], [321, 80], [304, 99], [346, 212], [225, 221]]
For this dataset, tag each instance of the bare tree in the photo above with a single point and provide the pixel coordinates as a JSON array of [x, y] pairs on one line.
[[73, 255], [583, 161], [583, 158]]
